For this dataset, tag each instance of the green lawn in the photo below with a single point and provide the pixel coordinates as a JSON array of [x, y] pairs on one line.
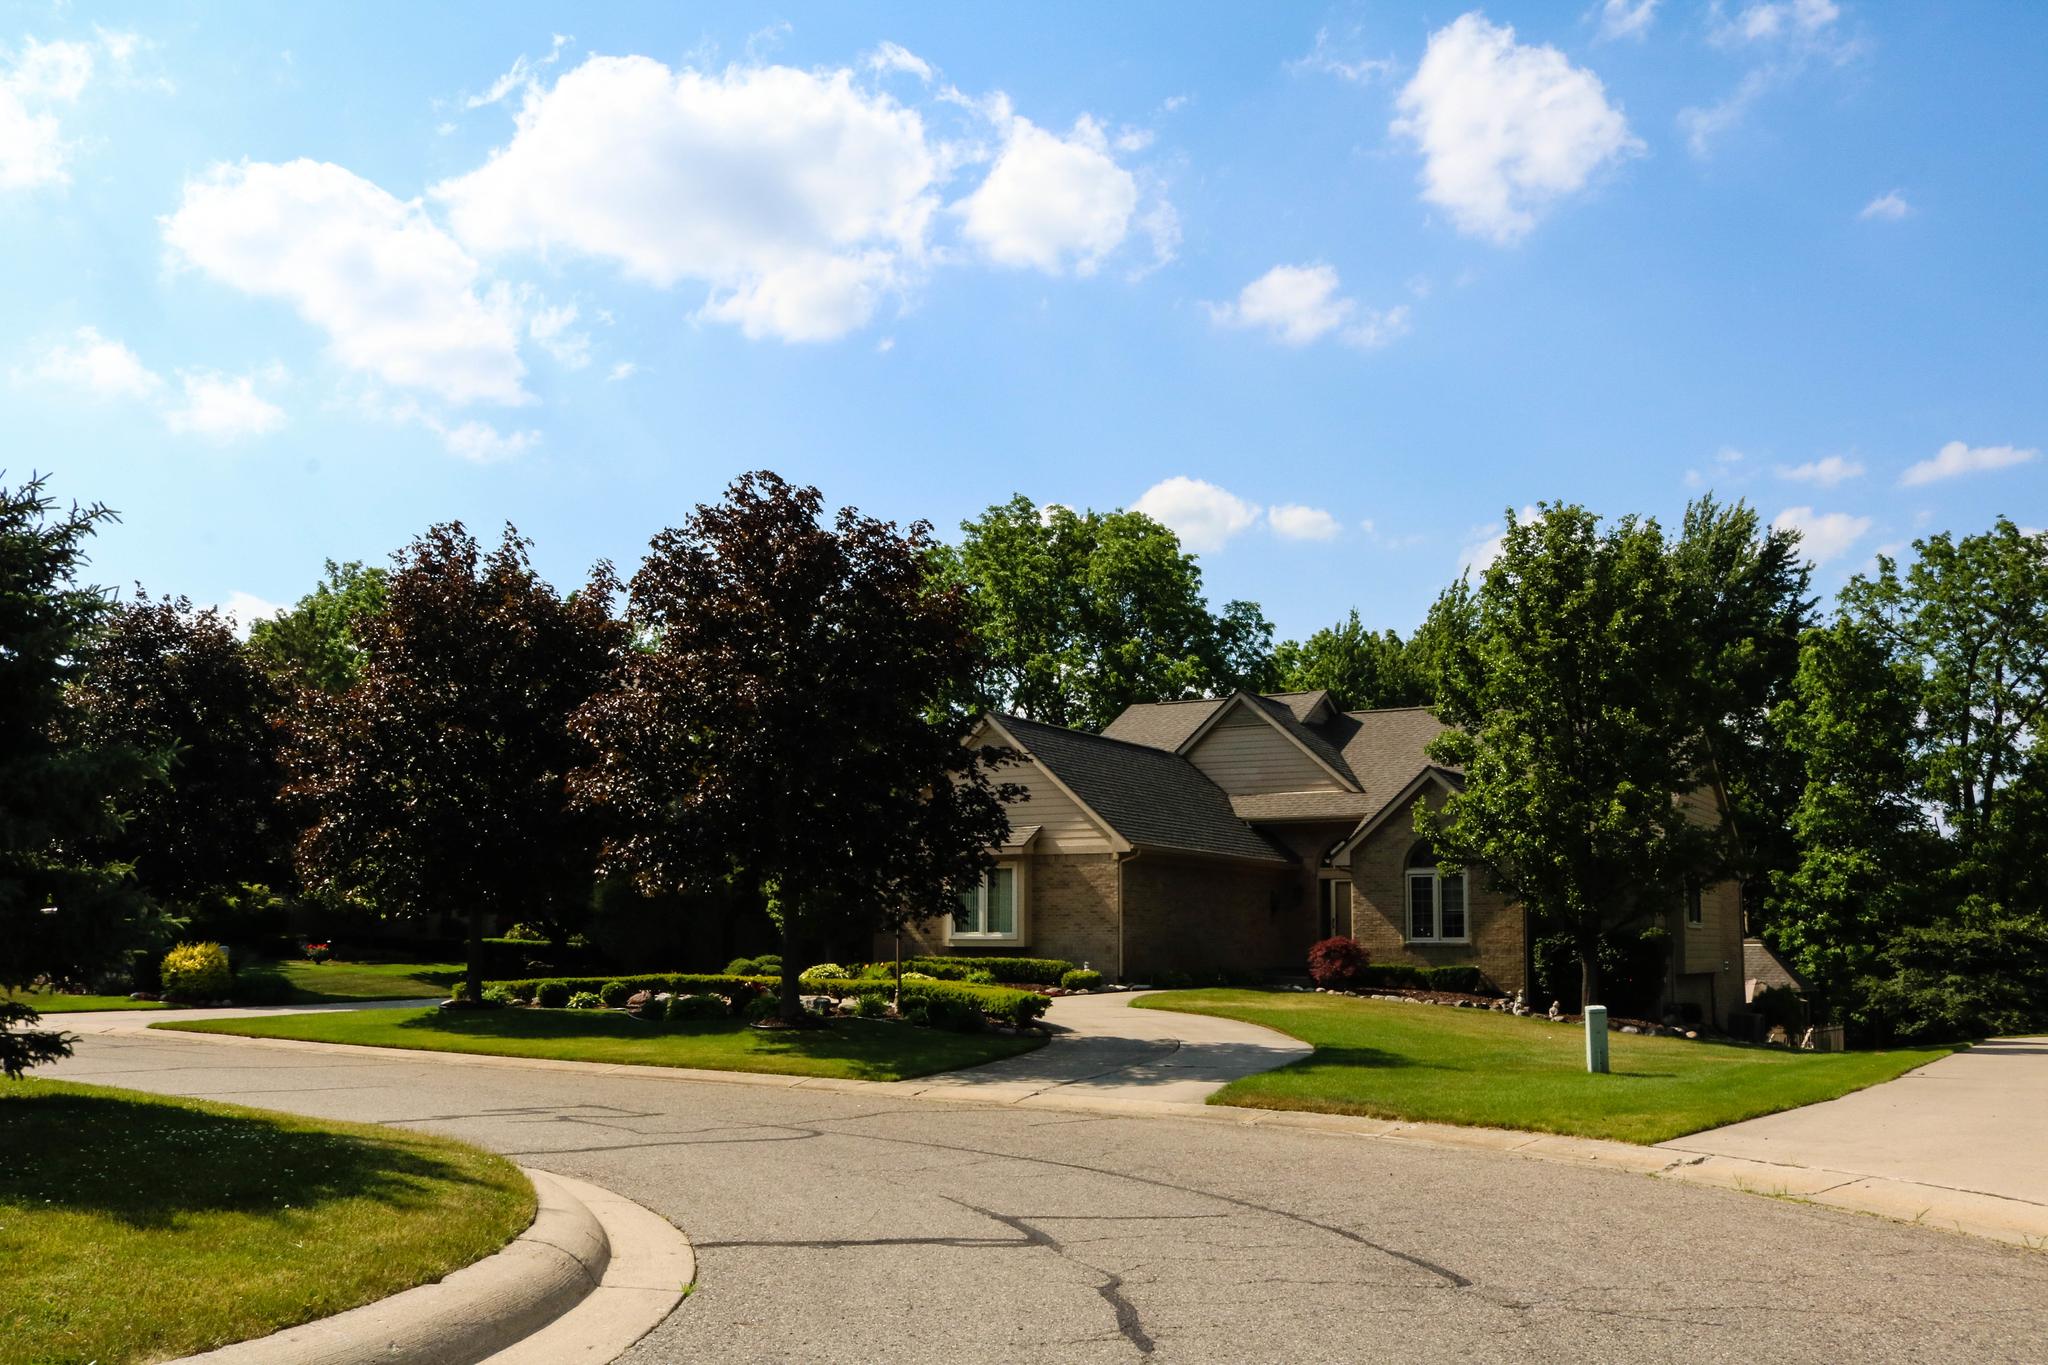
[[859, 1049], [49, 1002], [137, 1228], [325, 983], [1395, 1061]]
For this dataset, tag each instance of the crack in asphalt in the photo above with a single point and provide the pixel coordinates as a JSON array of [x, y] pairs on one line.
[[1128, 1322]]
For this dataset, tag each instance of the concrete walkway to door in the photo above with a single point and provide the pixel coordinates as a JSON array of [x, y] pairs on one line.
[[1970, 1124], [1101, 1048]]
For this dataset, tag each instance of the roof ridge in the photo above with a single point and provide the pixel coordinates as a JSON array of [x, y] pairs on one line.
[[1386, 710], [1094, 734]]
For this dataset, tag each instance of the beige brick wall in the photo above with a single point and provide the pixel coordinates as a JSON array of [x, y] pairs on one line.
[[1202, 915], [1069, 912], [1379, 914]]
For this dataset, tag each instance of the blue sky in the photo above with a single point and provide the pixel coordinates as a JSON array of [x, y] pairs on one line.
[[1326, 287]]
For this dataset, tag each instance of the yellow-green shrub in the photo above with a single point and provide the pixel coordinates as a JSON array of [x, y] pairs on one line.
[[196, 971]]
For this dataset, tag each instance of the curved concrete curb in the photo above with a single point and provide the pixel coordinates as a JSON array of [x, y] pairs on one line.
[[585, 1246]]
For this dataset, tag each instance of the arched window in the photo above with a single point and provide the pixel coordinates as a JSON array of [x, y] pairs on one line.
[[1436, 900]]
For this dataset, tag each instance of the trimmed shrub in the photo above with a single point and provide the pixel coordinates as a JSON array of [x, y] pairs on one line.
[[743, 966], [766, 1005], [499, 997], [1000, 1003], [916, 1014], [524, 933], [1008, 971], [1393, 976], [1464, 980], [953, 1014], [612, 994], [551, 995], [980, 978], [585, 1000], [871, 1005], [1082, 979], [824, 971], [196, 971], [682, 1008], [1335, 963], [771, 964]]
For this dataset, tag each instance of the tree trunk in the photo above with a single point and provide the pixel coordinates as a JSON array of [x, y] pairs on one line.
[[473, 971], [792, 1005], [1589, 976]]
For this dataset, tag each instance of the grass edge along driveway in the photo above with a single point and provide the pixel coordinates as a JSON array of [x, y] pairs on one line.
[[852, 1049], [1475, 1067], [140, 1227]]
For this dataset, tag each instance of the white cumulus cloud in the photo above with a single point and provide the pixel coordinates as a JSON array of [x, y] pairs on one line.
[[1889, 206], [1292, 521], [1505, 128], [101, 366], [1052, 203], [1204, 516], [1822, 535], [482, 443], [247, 609], [223, 407], [795, 196], [397, 296], [1826, 473], [1483, 544], [33, 80], [1626, 18], [1300, 304], [1956, 458]]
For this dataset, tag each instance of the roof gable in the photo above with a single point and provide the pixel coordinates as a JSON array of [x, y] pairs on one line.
[[1146, 797]]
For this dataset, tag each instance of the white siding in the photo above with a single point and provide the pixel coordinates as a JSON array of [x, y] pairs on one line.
[[1247, 757]]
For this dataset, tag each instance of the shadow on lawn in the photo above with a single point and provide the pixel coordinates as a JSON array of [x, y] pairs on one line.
[[149, 1165]]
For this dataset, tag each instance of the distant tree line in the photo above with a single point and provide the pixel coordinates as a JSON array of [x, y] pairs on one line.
[[768, 719]]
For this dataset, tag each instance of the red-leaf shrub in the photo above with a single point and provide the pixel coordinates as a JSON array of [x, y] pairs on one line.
[[1337, 963]]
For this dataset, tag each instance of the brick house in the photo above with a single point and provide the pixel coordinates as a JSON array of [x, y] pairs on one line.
[[1231, 833]]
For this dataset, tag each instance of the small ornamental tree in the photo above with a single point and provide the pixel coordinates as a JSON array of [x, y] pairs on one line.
[[1572, 721], [435, 783], [64, 912], [317, 642], [1337, 963], [780, 728]]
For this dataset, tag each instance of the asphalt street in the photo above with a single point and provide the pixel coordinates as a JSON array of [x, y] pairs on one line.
[[841, 1227]]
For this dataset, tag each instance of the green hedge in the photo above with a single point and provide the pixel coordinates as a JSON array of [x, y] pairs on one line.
[[1020, 971], [1396, 976], [996, 1002]]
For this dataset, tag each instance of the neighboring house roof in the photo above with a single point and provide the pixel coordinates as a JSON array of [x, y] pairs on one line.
[[1302, 806], [1151, 797], [1766, 968], [1162, 724]]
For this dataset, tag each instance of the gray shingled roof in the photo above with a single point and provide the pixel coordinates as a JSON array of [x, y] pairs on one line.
[[1303, 806], [1310, 736], [1161, 725], [1384, 749], [1152, 797]]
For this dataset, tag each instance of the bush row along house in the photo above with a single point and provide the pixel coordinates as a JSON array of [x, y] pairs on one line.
[[1229, 834]]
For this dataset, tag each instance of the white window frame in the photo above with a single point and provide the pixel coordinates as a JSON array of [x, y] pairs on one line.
[[955, 934], [1436, 906]]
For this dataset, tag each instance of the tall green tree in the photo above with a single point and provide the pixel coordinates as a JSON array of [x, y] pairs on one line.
[[162, 676], [1746, 598], [1970, 619], [436, 782], [64, 913], [317, 642], [1862, 839], [1568, 700], [1357, 667], [1084, 613], [780, 730]]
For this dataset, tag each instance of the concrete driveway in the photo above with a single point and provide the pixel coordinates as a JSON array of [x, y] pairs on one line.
[[1974, 1122], [857, 1226]]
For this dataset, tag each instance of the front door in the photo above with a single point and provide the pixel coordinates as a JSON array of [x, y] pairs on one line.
[[1333, 907]]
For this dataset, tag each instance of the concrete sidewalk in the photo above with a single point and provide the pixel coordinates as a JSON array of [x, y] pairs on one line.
[[1964, 1131], [1102, 1048]]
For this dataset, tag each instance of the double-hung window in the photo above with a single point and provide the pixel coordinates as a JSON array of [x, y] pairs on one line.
[[989, 911], [1436, 901]]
